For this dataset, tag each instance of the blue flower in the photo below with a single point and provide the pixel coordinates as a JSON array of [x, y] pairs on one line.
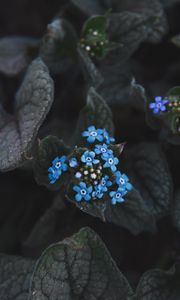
[[107, 137], [93, 134], [89, 158], [83, 192], [58, 166], [98, 193], [73, 162], [53, 175], [123, 181], [117, 196], [111, 162], [159, 105], [105, 183], [102, 149]]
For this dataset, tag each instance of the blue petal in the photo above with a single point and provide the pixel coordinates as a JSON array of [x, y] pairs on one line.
[[87, 197], [113, 201], [158, 98], [85, 133], [112, 194], [76, 188], [100, 138], [163, 108], [91, 139], [78, 197], [91, 128], [120, 200], [152, 105]]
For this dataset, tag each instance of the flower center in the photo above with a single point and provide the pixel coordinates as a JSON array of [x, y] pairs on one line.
[[103, 150], [58, 164], [89, 158], [122, 181], [110, 161], [93, 133], [83, 192], [159, 105], [118, 195]]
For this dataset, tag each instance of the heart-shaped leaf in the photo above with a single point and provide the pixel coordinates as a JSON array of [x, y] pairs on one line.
[[32, 103], [58, 47], [15, 275], [159, 285], [79, 267], [148, 170]]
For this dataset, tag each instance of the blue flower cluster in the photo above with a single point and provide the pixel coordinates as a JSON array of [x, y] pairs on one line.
[[159, 105], [95, 170]]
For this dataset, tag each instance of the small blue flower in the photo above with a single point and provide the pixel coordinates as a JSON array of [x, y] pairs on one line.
[[59, 163], [105, 183], [159, 105], [102, 149], [88, 158], [58, 166], [117, 196], [73, 162], [83, 192], [98, 193], [107, 137], [93, 134], [123, 181], [53, 174], [111, 162]]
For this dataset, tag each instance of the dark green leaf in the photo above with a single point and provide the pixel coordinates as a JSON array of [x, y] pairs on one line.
[[91, 73], [15, 275], [147, 168], [133, 214], [58, 48], [79, 267], [97, 113], [48, 149], [16, 53], [120, 88], [33, 101], [159, 285]]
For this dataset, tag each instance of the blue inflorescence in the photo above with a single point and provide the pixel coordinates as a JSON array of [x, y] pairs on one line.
[[95, 171]]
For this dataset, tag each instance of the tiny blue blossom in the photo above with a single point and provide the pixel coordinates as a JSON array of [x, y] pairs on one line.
[[102, 149], [98, 193], [53, 174], [93, 134], [82, 192], [88, 158], [111, 162], [123, 181], [107, 137], [105, 183], [159, 105], [58, 166], [73, 162], [117, 196]]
